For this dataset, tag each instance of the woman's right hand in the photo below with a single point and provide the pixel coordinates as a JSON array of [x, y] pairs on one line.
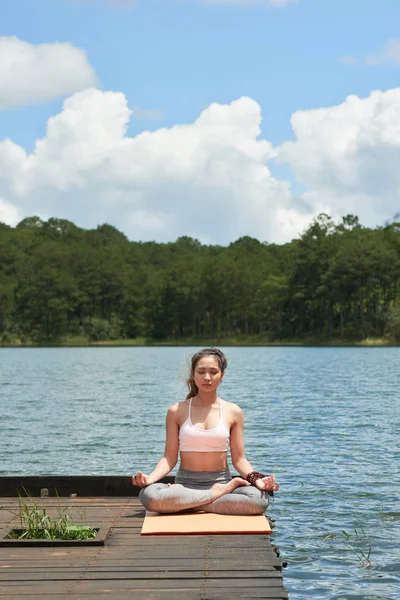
[[141, 480]]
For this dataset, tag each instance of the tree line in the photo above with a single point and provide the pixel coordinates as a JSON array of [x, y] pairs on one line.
[[336, 281]]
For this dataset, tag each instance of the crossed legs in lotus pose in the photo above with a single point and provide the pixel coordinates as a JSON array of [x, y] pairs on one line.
[[232, 498]]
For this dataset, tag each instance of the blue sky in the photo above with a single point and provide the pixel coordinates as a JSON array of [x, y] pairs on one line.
[[172, 59]]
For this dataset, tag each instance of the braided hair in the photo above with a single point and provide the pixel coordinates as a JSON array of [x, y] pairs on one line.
[[222, 360]]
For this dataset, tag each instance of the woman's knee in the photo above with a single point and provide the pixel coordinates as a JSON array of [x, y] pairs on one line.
[[262, 499], [148, 495], [263, 502], [260, 503], [259, 499]]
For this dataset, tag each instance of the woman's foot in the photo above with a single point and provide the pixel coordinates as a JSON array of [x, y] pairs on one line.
[[220, 489]]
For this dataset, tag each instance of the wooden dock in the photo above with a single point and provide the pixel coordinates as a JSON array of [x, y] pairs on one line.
[[198, 567]]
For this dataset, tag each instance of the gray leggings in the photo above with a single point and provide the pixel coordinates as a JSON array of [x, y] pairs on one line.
[[194, 493]]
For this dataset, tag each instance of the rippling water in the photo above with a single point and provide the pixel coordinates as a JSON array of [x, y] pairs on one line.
[[326, 421]]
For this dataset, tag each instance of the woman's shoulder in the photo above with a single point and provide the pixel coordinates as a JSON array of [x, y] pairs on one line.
[[177, 407], [231, 406]]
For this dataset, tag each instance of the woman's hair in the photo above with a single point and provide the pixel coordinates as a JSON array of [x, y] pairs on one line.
[[219, 355]]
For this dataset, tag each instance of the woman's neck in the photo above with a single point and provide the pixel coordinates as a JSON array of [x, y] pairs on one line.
[[206, 398]]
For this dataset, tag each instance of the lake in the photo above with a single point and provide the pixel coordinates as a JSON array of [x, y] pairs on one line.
[[326, 421]]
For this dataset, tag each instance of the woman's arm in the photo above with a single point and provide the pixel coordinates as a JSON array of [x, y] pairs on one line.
[[169, 460], [239, 460], [238, 455]]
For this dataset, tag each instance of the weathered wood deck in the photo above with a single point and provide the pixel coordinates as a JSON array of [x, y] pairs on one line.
[[129, 565]]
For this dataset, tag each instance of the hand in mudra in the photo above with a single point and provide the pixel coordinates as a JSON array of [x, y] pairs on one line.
[[141, 479], [268, 484]]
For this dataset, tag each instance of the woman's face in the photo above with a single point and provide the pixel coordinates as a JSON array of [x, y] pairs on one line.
[[207, 373]]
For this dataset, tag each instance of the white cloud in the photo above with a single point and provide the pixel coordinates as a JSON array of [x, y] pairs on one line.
[[389, 55], [348, 155], [208, 179], [9, 214], [33, 73], [349, 60], [145, 114]]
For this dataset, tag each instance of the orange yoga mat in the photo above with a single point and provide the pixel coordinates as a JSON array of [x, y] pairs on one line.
[[203, 523]]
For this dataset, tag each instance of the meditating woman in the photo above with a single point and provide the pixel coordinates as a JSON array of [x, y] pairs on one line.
[[202, 428]]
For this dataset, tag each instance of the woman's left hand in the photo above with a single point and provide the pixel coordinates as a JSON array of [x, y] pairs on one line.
[[268, 484]]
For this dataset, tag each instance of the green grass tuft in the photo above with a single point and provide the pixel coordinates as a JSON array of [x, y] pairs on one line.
[[35, 523]]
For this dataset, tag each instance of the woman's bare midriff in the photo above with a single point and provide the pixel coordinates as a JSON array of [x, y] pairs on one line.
[[203, 461]]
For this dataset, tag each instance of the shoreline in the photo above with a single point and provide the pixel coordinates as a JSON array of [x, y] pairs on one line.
[[83, 342]]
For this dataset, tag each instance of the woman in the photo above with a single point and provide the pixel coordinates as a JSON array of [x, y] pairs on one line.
[[201, 428]]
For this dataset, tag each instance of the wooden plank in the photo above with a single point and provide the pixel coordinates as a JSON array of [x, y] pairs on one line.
[[135, 574], [173, 562], [257, 555], [220, 541], [99, 585], [41, 554], [135, 571], [122, 546], [55, 501], [17, 588], [160, 594], [50, 571], [159, 565], [246, 557], [84, 485], [116, 546], [78, 512], [182, 552], [257, 561]]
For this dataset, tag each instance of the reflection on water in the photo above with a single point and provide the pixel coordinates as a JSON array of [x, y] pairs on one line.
[[325, 421]]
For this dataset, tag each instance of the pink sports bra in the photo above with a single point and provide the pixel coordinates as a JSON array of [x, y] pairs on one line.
[[193, 439]]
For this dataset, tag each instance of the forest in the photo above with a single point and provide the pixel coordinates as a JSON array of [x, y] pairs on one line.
[[337, 282]]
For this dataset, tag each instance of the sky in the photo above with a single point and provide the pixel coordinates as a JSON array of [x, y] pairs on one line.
[[213, 119]]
